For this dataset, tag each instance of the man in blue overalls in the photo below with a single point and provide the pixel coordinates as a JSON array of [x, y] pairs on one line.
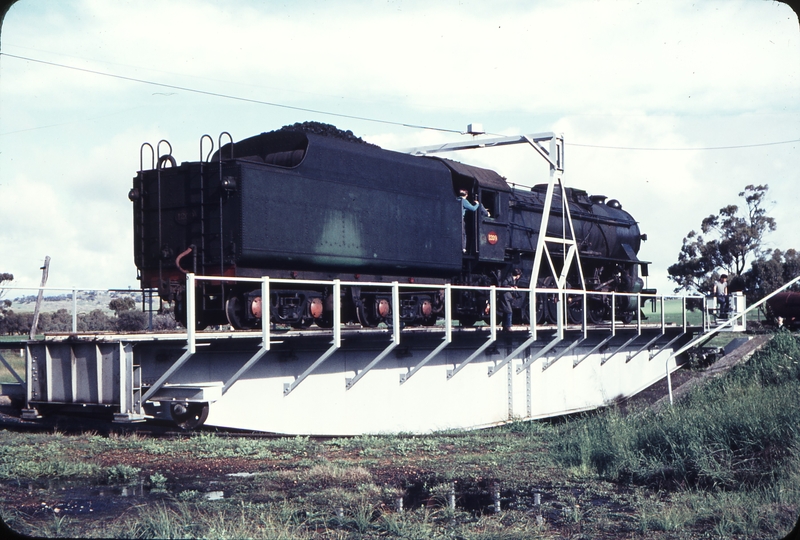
[[466, 205]]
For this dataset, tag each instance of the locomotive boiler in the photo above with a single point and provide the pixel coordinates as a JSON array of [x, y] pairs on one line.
[[299, 205]]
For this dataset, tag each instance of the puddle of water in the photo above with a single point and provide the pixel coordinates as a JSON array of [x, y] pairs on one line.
[[214, 495]]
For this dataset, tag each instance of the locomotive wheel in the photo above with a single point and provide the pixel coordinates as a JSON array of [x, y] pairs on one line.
[[234, 311], [188, 415], [526, 310], [467, 321], [575, 309], [326, 321], [597, 310], [625, 316], [363, 317], [549, 301], [180, 311]]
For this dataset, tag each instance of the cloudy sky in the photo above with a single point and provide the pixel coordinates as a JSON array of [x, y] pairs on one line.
[[670, 107]]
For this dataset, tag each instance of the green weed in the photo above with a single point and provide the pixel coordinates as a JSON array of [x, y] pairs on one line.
[[122, 474]]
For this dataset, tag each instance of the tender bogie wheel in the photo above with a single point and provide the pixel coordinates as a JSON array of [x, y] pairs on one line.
[[188, 416], [363, 317], [467, 321], [326, 321], [234, 311], [430, 321], [180, 312]]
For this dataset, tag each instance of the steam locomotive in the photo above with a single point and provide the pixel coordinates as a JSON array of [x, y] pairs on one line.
[[303, 205]]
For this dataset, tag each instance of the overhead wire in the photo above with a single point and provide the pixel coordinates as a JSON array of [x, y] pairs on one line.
[[684, 148], [364, 118], [228, 96]]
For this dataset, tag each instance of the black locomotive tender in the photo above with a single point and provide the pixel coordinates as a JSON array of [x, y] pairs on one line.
[[299, 205]]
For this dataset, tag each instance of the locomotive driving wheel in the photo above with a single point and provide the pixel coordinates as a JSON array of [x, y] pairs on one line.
[[625, 316], [549, 301], [597, 310], [526, 309], [575, 308]]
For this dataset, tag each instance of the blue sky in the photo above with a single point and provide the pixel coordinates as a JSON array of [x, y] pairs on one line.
[[647, 94]]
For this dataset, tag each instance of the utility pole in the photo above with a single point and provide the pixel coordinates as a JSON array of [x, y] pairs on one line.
[[45, 270]]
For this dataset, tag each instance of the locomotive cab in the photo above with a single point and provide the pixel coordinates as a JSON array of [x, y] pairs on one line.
[[487, 235]]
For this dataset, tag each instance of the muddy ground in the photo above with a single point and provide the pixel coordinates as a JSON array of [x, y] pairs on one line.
[[556, 501], [557, 505]]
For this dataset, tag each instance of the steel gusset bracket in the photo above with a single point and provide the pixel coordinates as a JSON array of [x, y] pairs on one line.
[[336, 344], [265, 339], [613, 354], [167, 374], [448, 335], [539, 354], [562, 353], [492, 334], [594, 349], [350, 382], [645, 346], [666, 346]]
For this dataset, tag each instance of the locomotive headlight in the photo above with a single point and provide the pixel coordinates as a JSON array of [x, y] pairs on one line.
[[229, 184], [134, 194]]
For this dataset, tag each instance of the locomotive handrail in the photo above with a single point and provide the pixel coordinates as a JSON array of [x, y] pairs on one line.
[[230, 138], [208, 155], [169, 153], [152, 156], [221, 221]]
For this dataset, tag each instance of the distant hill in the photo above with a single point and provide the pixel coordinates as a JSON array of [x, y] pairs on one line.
[[88, 301]]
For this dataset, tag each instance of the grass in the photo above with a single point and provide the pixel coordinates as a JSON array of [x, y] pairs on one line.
[[17, 363], [722, 463], [735, 431]]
